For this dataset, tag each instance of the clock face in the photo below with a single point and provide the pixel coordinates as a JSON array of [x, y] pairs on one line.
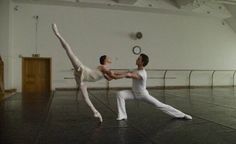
[[136, 50]]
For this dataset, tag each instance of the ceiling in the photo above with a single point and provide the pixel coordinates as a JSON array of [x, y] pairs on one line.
[[224, 9]]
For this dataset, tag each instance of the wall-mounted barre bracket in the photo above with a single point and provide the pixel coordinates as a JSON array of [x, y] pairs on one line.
[[233, 78], [212, 78], [189, 78]]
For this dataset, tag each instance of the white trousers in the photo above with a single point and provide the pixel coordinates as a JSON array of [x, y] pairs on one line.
[[146, 97]]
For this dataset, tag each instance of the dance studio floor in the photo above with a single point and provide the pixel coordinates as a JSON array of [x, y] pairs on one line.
[[58, 118]]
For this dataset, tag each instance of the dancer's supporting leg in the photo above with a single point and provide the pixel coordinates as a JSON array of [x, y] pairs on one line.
[[77, 65], [121, 97], [83, 88]]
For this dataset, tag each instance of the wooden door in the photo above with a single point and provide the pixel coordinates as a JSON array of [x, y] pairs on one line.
[[36, 75]]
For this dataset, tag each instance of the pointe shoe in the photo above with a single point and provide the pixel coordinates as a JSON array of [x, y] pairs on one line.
[[55, 29], [98, 115], [187, 117]]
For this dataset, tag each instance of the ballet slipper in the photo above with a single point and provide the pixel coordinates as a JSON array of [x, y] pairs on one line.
[[98, 115], [121, 118], [187, 117]]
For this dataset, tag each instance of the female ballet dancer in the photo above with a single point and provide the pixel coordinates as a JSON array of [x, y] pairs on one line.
[[84, 74]]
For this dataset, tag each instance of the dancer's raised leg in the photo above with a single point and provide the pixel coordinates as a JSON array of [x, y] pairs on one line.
[[73, 58], [84, 91]]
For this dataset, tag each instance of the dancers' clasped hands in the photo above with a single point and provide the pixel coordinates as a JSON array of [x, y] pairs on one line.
[[119, 75]]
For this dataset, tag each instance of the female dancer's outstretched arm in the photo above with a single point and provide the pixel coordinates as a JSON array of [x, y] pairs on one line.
[[77, 65]]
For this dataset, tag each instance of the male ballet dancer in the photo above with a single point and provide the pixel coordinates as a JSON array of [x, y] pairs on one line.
[[84, 74], [140, 92]]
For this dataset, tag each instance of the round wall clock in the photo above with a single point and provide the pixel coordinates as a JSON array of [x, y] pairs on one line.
[[137, 50]]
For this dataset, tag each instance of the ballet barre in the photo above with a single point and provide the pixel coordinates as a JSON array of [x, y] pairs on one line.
[[190, 73]]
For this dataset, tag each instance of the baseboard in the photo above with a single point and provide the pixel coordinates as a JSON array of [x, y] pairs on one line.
[[151, 87], [91, 88], [10, 90], [8, 93]]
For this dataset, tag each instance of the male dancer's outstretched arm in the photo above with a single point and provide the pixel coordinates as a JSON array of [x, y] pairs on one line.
[[110, 75]]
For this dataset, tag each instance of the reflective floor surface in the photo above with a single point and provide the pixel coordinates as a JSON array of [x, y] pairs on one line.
[[60, 118]]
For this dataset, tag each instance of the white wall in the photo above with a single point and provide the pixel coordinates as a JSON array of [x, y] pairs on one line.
[[4, 25], [4, 38], [171, 41]]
